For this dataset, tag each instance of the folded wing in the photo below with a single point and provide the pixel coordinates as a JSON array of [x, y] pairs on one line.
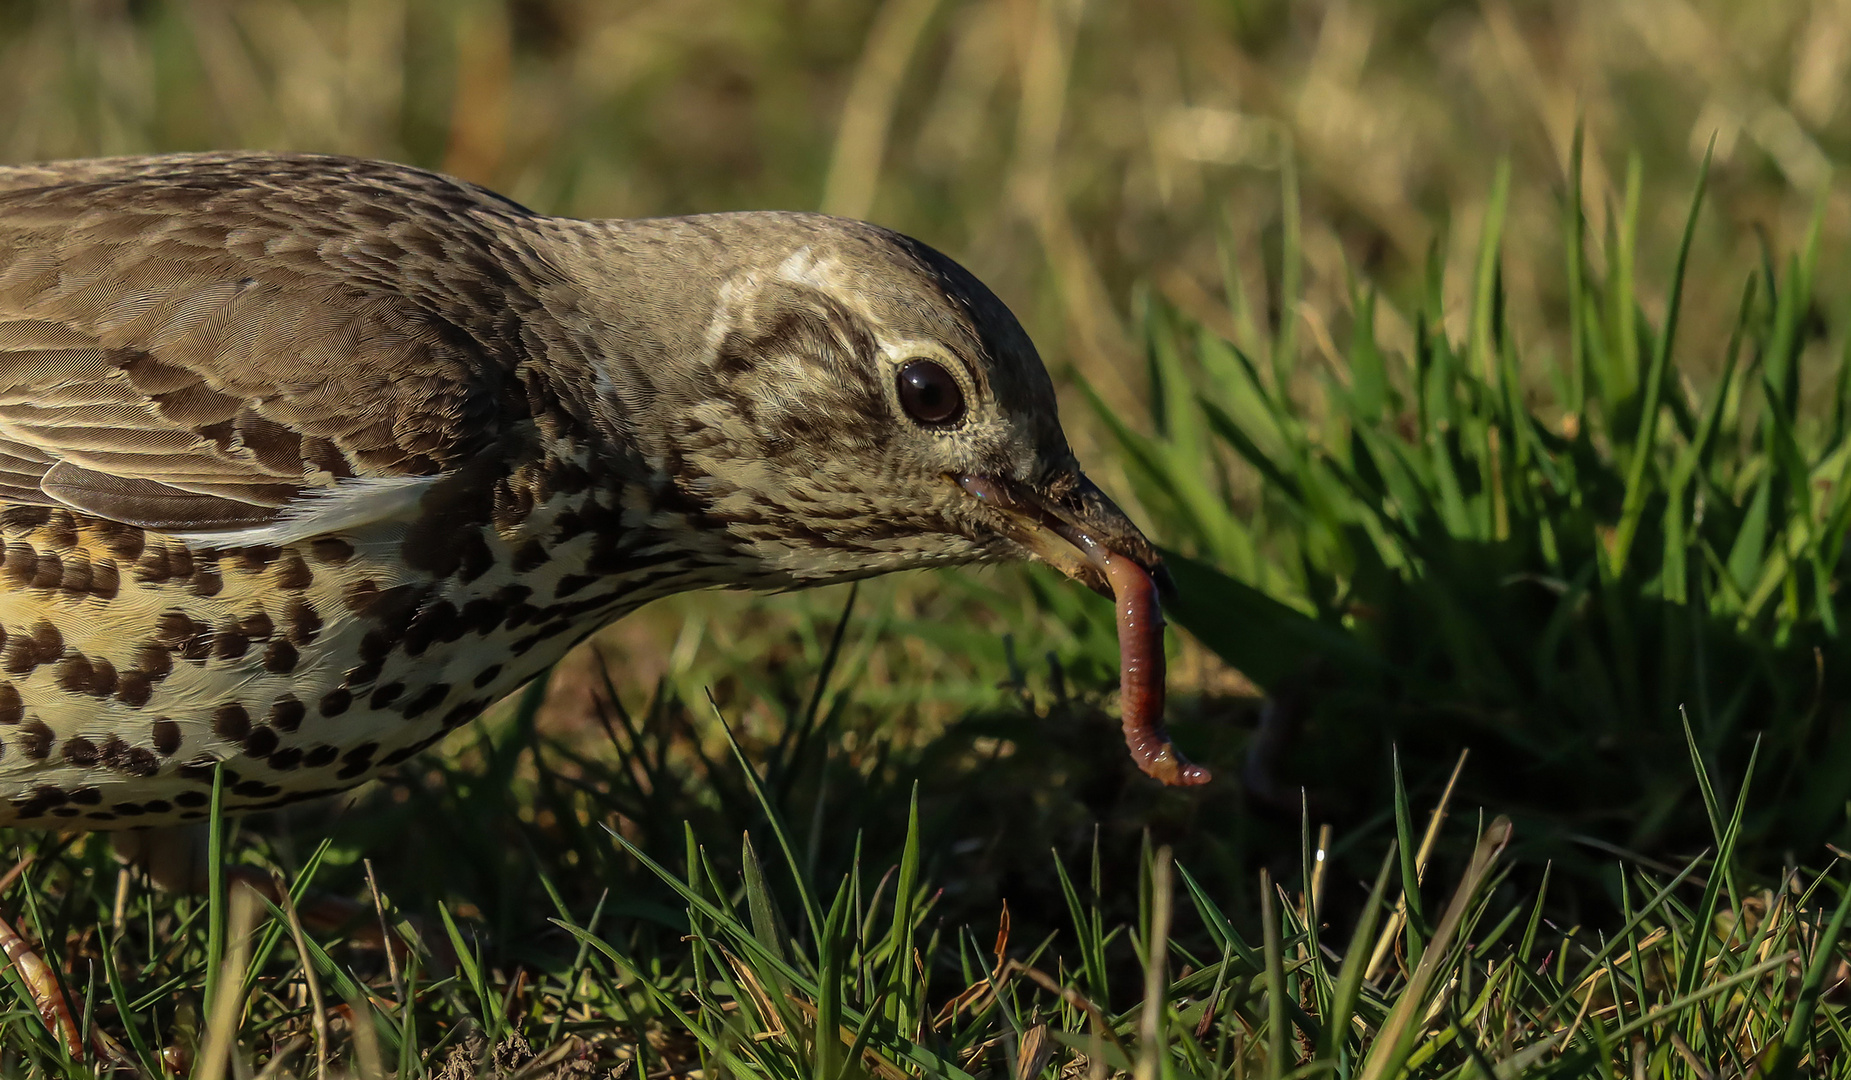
[[237, 346]]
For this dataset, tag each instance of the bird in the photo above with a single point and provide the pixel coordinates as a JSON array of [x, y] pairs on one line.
[[306, 461]]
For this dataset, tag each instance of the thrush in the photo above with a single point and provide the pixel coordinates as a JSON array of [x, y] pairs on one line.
[[306, 461]]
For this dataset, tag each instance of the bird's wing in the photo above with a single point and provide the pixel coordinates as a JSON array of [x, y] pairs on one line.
[[240, 345]]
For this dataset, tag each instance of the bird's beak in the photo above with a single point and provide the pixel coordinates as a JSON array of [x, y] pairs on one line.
[[1070, 526], [1073, 527]]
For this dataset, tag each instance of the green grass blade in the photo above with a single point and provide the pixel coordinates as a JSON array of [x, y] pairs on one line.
[[1799, 1030], [1645, 444], [1355, 964]]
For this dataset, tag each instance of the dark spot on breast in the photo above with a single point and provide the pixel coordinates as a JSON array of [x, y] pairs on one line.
[[364, 675], [80, 751], [376, 646], [487, 675], [228, 643], [153, 567], [199, 770], [530, 556], [463, 714], [570, 584], [280, 657], [394, 610], [258, 557], [181, 632], [105, 580], [133, 688], [166, 736], [256, 626], [570, 524], [254, 789], [134, 760], [231, 720], [356, 761], [321, 755], [12, 706], [432, 697], [473, 556], [76, 672], [286, 713], [180, 561], [87, 796], [304, 621], [128, 809], [457, 553], [47, 795], [335, 702], [293, 574], [78, 571], [261, 742], [543, 633], [23, 518], [61, 529], [112, 751], [154, 660], [35, 739], [285, 759], [206, 580], [571, 610], [481, 615], [520, 615], [439, 622], [609, 556], [49, 573], [103, 678], [360, 596], [331, 549], [397, 756], [127, 543], [25, 651], [185, 798], [386, 695], [48, 641], [20, 563]]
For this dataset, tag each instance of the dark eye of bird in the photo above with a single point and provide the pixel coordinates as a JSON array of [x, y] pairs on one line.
[[929, 394]]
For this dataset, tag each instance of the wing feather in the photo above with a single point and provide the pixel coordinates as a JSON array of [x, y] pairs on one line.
[[216, 345]]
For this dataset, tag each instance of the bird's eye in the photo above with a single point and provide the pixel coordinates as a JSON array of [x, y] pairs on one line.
[[929, 394]]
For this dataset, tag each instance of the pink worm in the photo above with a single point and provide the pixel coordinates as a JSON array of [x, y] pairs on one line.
[[1140, 658]]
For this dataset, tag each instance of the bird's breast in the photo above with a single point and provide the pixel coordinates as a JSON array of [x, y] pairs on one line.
[[135, 665]]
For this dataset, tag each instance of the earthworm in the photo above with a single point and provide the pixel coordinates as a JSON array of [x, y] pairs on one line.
[[1140, 630], [1140, 659]]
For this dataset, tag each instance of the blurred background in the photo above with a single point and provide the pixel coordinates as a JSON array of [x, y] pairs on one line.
[[1065, 149], [1089, 160]]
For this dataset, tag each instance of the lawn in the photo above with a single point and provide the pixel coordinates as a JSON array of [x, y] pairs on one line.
[[1483, 369]]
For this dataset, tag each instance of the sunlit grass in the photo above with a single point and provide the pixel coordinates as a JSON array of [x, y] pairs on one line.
[[1148, 185], [767, 950]]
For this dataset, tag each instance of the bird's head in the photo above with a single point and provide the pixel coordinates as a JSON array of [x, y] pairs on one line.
[[856, 403], [839, 401]]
